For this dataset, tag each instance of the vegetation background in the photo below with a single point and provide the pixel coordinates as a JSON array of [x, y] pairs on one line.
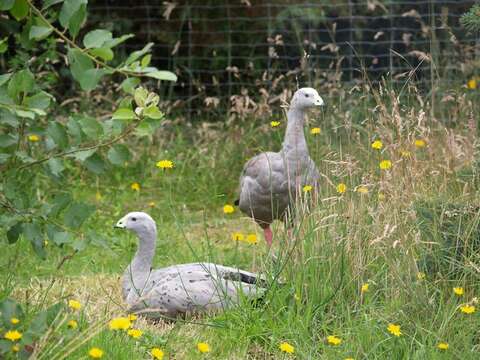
[[87, 110]]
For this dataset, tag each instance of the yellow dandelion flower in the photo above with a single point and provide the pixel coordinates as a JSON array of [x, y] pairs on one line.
[[394, 329], [132, 317], [238, 236], [15, 348], [95, 353], [120, 323], [472, 84], [365, 287], [13, 335], [419, 143], [228, 209], [341, 188], [203, 347], [458, 291], [405, 154], [135, 186], [33, 138], [442, 346], [157, 353], [362, 189], [421, 275], [74, 304], [72, 324], [151, 204], [315, 131], [135, 333], [287, 348], [385, 165], [252, 239], [274, 123], [377, 145], [467, 309], [165, 164], [307, 188], [14, 321], [333, 340]]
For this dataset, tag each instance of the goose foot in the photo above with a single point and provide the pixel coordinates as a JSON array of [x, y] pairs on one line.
[[268, 236]]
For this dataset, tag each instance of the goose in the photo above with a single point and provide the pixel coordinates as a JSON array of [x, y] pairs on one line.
[[270, 181], [179, 289]]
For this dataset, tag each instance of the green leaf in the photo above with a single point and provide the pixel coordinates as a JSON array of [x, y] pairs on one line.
[[118, 155], [104, 53], [74, 129], [162, 75], [39, 32], [6, 4], [140, 96], [21, 82], [77, 20], [4, 158], [40, 100], [153, 112], [9, 308], [83, 155], [91, 78], [137, 54], [124, 114], [34, 234], [95, 164], [96, 38], [60, 238], [7, 140], [58, 133], [4, 78], [56, 166], [69, 10], [116, 41], [129, 85], [146, 60], [91, 127], [4, 45], [77, 213], [48, 3], [20, 9], [60, 202], [25, 114], [14, 232]]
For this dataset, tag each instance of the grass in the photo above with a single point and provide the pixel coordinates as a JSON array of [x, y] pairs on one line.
[[339, 242]]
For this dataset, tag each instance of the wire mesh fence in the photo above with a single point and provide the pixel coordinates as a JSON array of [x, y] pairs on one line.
[[222, 49]]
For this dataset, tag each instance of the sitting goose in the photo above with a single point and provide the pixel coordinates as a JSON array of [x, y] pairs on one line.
[[178, 289], [271, 180]]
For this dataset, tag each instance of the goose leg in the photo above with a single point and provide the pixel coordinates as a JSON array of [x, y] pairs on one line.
[[268, 235]]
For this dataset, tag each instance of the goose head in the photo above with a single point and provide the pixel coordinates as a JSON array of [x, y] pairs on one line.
[[138, 222], [305, 98]]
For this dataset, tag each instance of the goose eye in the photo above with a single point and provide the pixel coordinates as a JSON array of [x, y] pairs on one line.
[[306, 95], [134, 219]]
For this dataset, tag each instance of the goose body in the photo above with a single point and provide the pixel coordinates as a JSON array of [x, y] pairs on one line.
[[270, 181], [179, 289]]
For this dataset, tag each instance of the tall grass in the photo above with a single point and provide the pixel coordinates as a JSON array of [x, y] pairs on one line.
[[339, 241]]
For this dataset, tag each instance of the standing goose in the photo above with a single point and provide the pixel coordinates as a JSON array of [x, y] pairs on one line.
[[271, 180], [178, 289]]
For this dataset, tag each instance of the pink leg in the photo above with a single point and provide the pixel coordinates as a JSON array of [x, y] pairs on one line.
[[268, 236]]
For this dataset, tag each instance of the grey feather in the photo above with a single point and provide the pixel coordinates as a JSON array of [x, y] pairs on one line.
[[179, 289], [270, 181]]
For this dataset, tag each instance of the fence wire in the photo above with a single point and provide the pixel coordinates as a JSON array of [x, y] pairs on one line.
[[222, 48]]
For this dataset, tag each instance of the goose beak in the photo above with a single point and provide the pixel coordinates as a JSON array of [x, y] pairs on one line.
[[319, 101], [121, 224]]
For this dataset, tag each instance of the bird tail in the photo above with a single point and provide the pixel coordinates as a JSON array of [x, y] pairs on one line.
[[237, 202]]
